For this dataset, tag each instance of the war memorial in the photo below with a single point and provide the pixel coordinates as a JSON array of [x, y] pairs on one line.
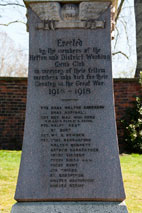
[[70, 157]]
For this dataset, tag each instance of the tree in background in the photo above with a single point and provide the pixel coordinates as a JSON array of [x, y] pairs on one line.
[[138, 8], [12, 59], [14, 4], [138, 22], [123, 45], [138, 17]]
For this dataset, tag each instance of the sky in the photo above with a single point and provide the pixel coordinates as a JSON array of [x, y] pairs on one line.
[[16, 31], [124, 35]]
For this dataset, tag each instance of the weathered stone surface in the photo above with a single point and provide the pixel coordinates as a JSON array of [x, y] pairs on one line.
[[70, 147], [69, 16], [70, 207], [114, 2]]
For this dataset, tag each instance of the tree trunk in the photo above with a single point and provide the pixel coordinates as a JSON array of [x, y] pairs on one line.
[[138, 17]]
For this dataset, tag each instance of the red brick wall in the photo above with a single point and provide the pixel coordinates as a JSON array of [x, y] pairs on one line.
[[125, 91], [12, 112], [13, 104]]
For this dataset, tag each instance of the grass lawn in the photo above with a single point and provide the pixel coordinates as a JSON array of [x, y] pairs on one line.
[[9, 167], [132, 175], [131, 169]]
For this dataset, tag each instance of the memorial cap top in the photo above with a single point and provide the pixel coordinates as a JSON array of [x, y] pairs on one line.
[[114, 2]]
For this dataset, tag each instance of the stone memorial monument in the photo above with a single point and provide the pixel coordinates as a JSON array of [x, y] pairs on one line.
[[70, 160]]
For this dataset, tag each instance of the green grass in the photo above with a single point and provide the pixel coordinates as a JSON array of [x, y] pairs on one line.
[[9, 166], [131, 169], [132, 175]]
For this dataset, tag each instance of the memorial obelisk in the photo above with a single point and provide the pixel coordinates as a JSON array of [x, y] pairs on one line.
[[70, 159]]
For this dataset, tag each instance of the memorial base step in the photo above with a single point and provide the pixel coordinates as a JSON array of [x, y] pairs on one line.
[[69, 207]]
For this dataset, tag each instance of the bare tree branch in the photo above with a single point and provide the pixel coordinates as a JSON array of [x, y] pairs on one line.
[[13, 22], [119, 9], [124, 23], [12, 4], [116, 37], [119, 52]]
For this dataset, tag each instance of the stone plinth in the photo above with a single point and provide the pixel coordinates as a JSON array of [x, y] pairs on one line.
[[70, 207]]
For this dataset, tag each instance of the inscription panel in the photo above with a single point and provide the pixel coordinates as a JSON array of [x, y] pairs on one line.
[[70, 126]]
